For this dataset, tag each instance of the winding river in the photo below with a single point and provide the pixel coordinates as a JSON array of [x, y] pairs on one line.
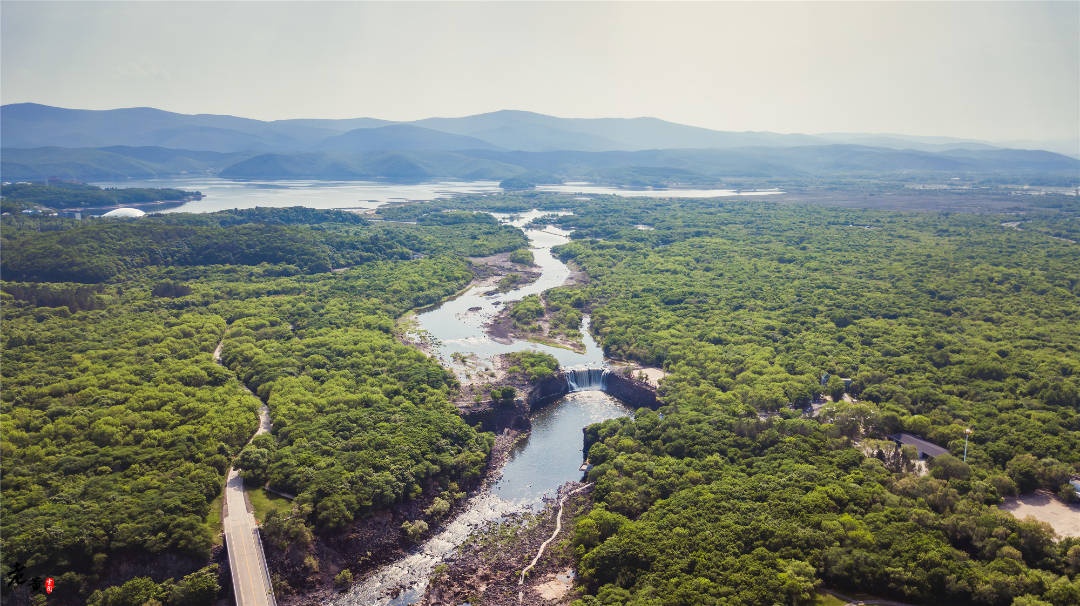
[[538, 465]]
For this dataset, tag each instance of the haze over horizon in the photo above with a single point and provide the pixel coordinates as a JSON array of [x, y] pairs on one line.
[[972, 71], [474, 114]]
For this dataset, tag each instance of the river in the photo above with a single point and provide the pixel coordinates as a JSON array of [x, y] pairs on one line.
[[550, 455], [458, 324], [548, 458]]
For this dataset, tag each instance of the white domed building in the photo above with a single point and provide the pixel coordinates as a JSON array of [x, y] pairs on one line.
[[123, 213]]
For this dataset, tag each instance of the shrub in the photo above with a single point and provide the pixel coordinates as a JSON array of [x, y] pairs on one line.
[[343, 579], [414, 530], [522, 256]]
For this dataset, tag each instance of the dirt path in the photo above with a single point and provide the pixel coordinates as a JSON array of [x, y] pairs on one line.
[[543, 546], [1043, 506]]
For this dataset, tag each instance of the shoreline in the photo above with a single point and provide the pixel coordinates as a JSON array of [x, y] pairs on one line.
[[502, 329], [489, 567], [326, 593]]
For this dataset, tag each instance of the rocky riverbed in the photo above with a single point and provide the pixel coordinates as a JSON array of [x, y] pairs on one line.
[[485, 569]]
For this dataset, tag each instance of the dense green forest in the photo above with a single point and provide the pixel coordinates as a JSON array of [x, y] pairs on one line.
[[118, 426], [734, 495], [301, 240], [360, 420], [943, 323]]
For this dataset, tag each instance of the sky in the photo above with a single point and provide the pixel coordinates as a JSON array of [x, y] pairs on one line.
[[997, 71]]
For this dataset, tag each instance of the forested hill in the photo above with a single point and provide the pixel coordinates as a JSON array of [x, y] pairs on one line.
[[42, 142], [117, 426], [369, 158], [28, 125], [734, 492], [77, 195], [302, 240]]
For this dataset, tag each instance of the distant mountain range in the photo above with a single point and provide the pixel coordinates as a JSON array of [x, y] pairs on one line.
[[40, 141]]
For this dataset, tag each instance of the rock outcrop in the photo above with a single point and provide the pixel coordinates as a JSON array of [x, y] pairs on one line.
[[496, 416]]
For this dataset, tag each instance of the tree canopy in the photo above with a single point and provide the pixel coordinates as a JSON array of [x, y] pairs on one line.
[[118, 426]]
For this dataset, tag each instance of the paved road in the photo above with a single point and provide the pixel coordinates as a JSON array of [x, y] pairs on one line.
[[251, 580], [250, 577]]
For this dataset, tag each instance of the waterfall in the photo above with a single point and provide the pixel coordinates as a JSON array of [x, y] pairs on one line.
[[585, 379]]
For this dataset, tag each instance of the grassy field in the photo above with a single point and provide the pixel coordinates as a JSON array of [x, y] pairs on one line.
[[264, 502], [827, 599], [213, 519]]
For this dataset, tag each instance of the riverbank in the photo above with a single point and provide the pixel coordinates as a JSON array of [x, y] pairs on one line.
[[491, 275], [475, 403], [498, 274], [485, 569], [374, 542], [477, 406], [545, 321]]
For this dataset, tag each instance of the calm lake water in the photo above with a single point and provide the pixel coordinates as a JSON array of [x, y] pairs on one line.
[[587, 188], [224, 194]]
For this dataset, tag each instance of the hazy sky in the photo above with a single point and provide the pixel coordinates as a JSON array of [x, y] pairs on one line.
[[991, 71]]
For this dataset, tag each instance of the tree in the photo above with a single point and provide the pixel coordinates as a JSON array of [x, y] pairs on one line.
[[332, 513], [252, 463], [1072, 559], [414, 530], [835, 388], [947, 467], [503, 395], [1068, 493], [918, 424], [136, 592], [1024, 469], [199, 588], [522, 256], [439, 508], [798, 583], [1030, 600]]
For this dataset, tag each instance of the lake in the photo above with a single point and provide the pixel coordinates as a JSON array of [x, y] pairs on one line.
[[581, 187], [225, 194]]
